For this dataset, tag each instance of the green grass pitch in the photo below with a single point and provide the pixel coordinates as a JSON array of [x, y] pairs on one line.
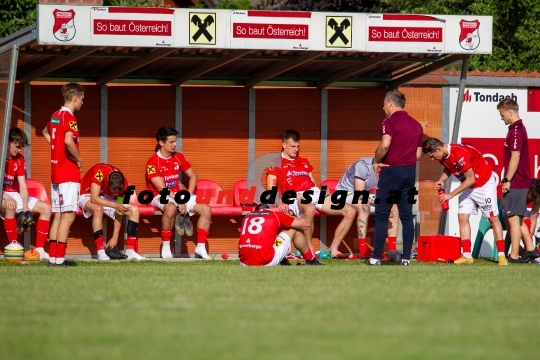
[[220, 310]]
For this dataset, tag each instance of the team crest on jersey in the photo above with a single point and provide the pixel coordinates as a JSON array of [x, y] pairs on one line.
[[151, 169], [469, 37], [73, 126], [64, 25], [278, 242], [99, 175], [176, 166]]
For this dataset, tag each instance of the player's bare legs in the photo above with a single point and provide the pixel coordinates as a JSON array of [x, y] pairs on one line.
[[308, 213], [465, 236], [348, 213], [300, 242], [203, 228]]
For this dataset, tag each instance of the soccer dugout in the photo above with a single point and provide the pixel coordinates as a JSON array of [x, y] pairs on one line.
[[230, 81]]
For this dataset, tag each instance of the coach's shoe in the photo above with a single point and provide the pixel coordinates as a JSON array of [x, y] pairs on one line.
[[188, 225], [405, 262], [464, 260], [179, 224], [102, 255], [132, 255], [502, 260], [519, 260], [373, 262], [200, 252], [314, 262]]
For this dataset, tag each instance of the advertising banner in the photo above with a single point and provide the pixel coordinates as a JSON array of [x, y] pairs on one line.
[[481, 126], [132, 26], [405, 33], [286, 30]]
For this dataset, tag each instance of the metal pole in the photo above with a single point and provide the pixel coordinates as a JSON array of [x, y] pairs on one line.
[[7, 111], [455, 133]]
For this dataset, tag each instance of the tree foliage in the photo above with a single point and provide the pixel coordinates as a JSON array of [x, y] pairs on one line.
[[516, 28], [16, 15], [235, 4], [323, 5]]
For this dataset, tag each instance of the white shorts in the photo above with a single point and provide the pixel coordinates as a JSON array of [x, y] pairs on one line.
[[350, 196], [483, 198], [189, 205], [282, 248], [107, 210], [17, 197], [65, 196], [314, 200]]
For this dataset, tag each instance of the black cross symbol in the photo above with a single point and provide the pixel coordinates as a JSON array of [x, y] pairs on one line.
[[339, 30], [209, 20], [99, 175]]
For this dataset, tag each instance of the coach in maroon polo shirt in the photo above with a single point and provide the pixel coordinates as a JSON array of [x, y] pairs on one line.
[[515, 185], [395, 161]]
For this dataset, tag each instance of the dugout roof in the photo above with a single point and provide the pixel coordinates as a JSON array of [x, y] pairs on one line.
[[242, 48]]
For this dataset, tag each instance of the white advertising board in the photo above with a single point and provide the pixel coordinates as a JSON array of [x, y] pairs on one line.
[[338, 31], [469, 34], [482, 127], [274, 30]]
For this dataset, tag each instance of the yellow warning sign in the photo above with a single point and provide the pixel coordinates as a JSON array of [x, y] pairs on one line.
[[339, 31], [202, 28]]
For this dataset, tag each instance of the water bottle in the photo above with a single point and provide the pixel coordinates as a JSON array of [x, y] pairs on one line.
[[444, 205]]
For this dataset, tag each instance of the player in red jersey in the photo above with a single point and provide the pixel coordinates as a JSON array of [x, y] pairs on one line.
[[66, 165], [102, 192], [162, 178], [293, 172], [478, 189], [15, 188], [262, 244]]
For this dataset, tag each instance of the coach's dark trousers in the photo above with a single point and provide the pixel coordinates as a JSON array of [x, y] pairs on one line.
[[391, 179]]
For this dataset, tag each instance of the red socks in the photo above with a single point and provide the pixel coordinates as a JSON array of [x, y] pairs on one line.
[[500, 246], [60, 250], [308, 255], [42, 229], [166, 235], [131, 243], [202, 235], [466, 245], [392, 243], [99, 242], [52, 248], [11, 229], [363, 249]]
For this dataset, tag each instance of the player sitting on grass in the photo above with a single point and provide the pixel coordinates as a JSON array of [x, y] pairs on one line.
[[101, 187], [15, 188], [478, 189], [262, 244], [162, 177]]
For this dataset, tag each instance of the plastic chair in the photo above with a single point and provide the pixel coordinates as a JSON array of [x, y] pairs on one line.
[[209, 189], [330, 184], [37, 190], [239, 187]]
